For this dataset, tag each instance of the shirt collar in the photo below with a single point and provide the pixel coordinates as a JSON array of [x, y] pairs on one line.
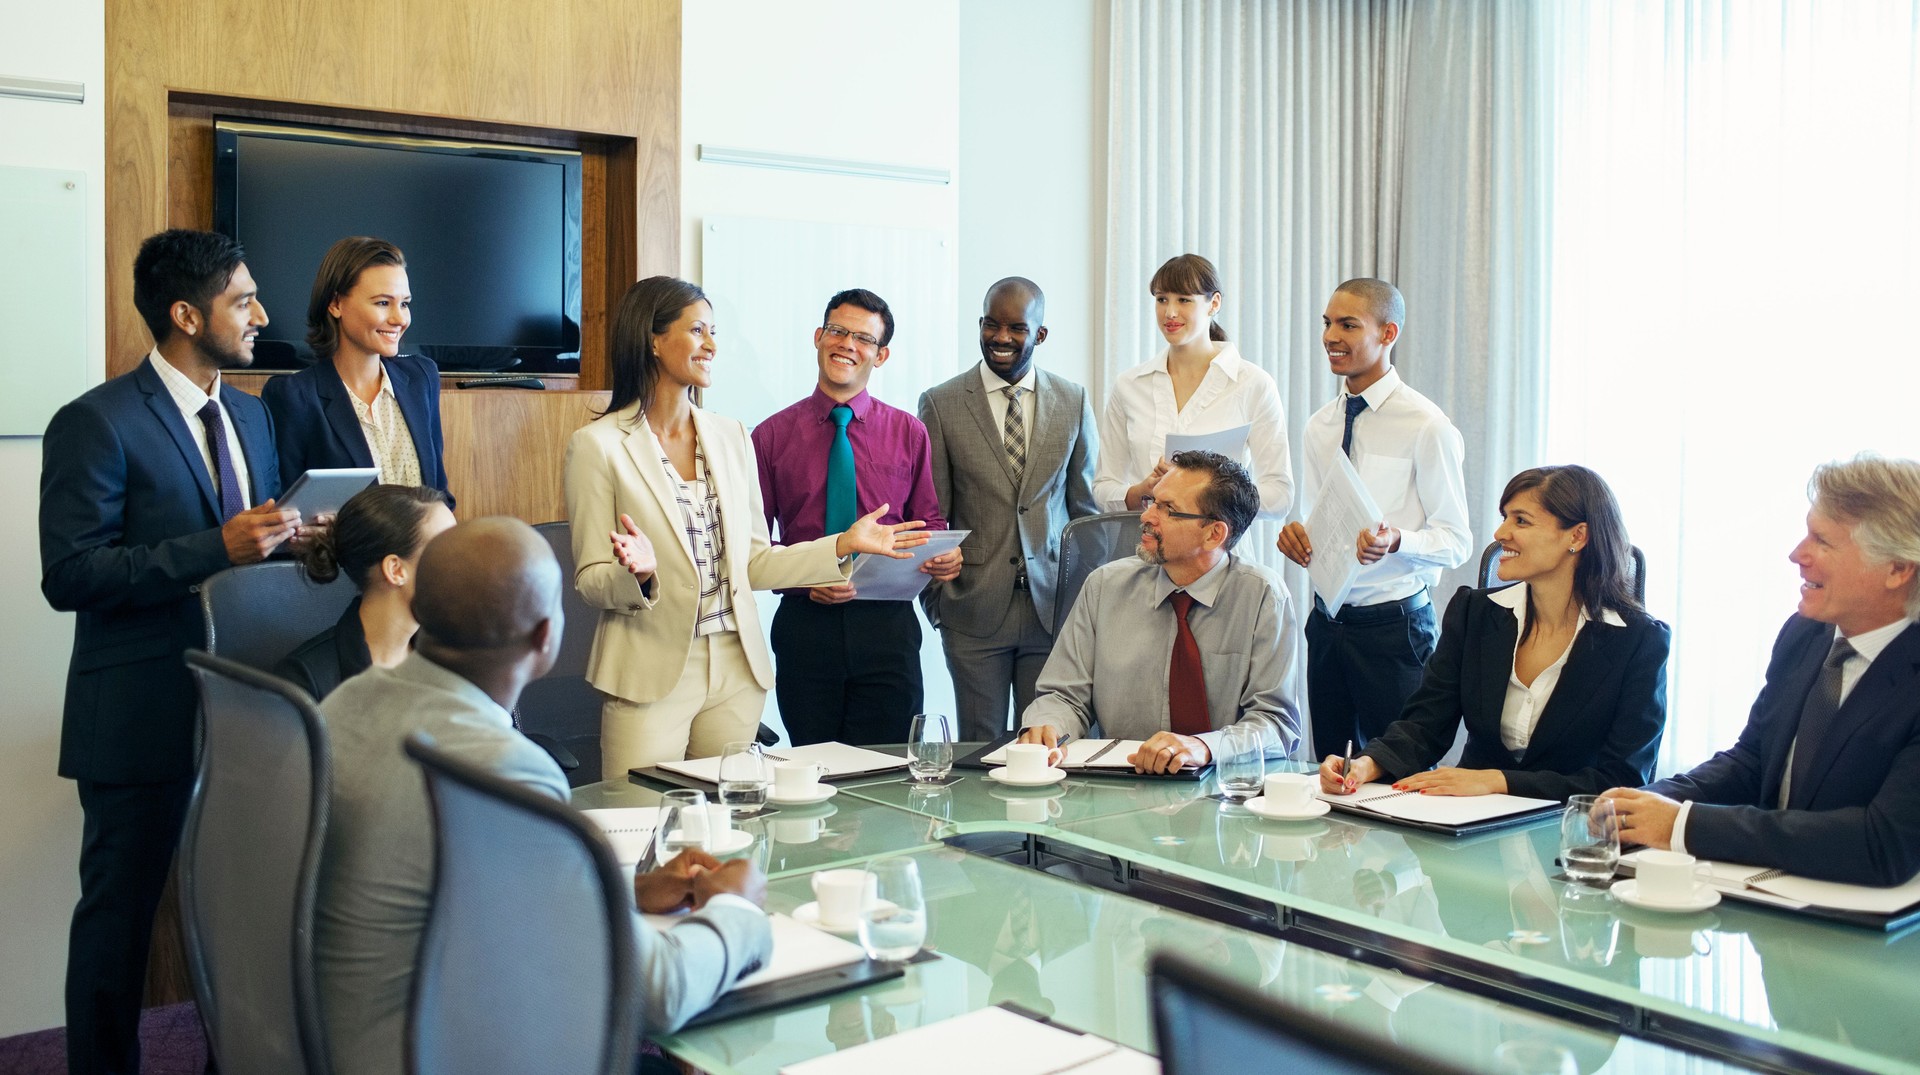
[[824, 404], [1205, 589], [180, 386], [1378, 392], [1228, 362], [418, 669], [992, 382], [1514, 599], [1868, 644]]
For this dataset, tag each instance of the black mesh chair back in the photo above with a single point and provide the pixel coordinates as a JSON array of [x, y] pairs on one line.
[[249, 861], [258, 613], [1087, 543], [562, 708], [1490, 570], [528, 963]]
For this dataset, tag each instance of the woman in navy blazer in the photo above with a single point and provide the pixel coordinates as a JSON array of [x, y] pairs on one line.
[[1560, 680], [360, 307]]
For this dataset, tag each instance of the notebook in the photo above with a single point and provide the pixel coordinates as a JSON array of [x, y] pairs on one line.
[[627, 828], [1091, 757], [806, 963], [1455, 815], [1889, 907], [840, 760], [990, 1039]]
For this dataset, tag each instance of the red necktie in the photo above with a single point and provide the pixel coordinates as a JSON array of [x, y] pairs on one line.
[[1186, 687]]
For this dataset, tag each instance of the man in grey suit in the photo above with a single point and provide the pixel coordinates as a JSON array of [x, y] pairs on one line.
[[1013, 456], [487, 595]]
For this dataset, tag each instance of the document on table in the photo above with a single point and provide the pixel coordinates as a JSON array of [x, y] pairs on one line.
[[797, 949], [991, 1039], [627, 828], [838, 759], [1231, 443], [1085, 754], [1341, 510], [1435, 809], [883, 578], [1758, 882]]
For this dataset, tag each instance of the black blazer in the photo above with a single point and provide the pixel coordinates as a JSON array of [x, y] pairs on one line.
[[1855, 817], [331, 657], [318, 429], [129, 527], [1600, 729]]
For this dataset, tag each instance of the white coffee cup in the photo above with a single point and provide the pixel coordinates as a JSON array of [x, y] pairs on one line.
[[1033, 811], [719, 820], [1666, 876], [1290, 791], [797, 779], [843, 894], [1027, 761]]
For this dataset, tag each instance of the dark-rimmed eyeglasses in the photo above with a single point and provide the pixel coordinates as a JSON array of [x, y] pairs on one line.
[[837, 332], [1148, 503]]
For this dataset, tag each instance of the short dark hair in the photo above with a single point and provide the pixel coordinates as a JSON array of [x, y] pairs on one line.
[[649, 308], [1230, 495], [177, 265], [1383, 299], [379, 521], [340, 269], [866, 300]]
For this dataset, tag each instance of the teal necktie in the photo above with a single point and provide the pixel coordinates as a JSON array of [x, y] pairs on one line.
[[841, 509]]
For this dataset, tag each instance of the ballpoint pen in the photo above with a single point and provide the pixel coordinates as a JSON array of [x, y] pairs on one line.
[[1346, 770]]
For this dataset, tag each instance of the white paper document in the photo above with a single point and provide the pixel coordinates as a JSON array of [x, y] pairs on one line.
[[1342, 509], [839, 759], [1772, 886], [991, 1039], [797, 949], [1085, 754], [883, 578], [1434, 809], [628, 828], [1228, 442]]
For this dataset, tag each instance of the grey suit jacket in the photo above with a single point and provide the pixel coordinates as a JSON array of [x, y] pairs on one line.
[[1010, 526]]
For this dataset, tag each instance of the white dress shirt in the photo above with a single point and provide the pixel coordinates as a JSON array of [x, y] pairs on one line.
[[1411, 459], [1520, 712], [1866, 646], [188, 397], [1141, 412], [389, 440], [997, 397]]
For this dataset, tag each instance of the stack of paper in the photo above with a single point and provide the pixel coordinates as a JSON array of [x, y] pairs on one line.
[[838, 759], [1435, 809], [991, 1039]]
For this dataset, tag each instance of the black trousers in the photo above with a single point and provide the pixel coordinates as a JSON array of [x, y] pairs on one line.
[[849, 672], [1362, 668], [126, 847]]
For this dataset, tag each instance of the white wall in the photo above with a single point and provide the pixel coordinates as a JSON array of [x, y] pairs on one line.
[[39, 814]]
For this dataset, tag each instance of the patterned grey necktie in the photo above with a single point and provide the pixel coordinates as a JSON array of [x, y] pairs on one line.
[[1013, 435]]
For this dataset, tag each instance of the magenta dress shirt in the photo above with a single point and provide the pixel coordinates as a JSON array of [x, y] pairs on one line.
[[892, 463]]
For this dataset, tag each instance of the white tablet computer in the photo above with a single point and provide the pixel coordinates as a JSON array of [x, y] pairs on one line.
[[321, 492]]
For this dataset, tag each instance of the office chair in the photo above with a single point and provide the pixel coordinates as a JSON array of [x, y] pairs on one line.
[[526, 896], [1490, 570], [256, 614], [249, 862], [1085, 544]]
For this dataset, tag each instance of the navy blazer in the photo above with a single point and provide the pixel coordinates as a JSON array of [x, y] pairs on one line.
[[129, 527], [1600, 729], [318, 429], [331, 657], [1855, 816]]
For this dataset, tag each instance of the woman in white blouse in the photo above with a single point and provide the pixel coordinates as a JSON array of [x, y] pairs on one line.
[[1199, 384], [1561, 679]]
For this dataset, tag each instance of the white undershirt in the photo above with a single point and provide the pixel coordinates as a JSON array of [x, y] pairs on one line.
[[997, 397], [190, 399]]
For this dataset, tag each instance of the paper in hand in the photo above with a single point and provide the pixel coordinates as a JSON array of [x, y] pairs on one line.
[[883, 578], [1231, 443], [1341, 510]]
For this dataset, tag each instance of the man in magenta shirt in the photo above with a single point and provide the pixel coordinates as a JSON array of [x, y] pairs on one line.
[[846, 669]]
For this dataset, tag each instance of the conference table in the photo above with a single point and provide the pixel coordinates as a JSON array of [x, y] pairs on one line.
[[1468, 949]]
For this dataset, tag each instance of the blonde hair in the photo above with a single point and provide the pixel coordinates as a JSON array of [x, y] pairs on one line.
[[1880, 499]]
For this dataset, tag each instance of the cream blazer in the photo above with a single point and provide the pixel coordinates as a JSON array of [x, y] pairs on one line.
[[641, 645]]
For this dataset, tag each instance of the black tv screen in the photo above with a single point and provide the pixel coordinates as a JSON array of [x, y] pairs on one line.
[[491, 234]]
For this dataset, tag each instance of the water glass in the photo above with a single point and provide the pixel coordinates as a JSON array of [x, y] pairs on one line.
[[745, 775], [893, 926], [1589, 839], [683, 824], [1240, 763], [929, 747]]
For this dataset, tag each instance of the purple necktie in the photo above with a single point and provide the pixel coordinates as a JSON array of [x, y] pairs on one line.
[[231, 503]]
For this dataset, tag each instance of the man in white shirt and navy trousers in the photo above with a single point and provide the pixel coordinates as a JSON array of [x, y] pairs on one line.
[[1363, 663]]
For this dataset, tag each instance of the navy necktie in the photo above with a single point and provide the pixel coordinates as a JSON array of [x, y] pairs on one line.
[[1355, 404], [231, 502], [841, 509]]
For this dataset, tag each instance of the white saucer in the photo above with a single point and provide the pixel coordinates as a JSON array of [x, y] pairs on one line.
[[1628, 892], [734, 840], [1258, 805], [1054, 776], [808, 914], [820, 794]]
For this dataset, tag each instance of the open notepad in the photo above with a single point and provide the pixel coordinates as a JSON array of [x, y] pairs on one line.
[[1455, 814], [991, 1039], [1896, 903], [1084, 754], [627, 828], [838, 759]]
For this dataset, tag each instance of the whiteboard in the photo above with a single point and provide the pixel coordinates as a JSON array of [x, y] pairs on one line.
[[769, 281], [43, 295]]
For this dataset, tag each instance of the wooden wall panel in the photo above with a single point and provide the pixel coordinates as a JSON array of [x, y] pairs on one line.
[[494, 433]]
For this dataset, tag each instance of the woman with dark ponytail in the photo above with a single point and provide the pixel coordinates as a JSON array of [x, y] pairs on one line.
[[375, 542], [1199, 384]]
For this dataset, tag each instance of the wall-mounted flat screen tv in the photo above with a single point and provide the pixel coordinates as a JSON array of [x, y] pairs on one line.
[[491, 234]]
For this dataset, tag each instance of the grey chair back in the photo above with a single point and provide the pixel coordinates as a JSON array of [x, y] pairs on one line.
[[258, 613], [1490, 570], [1085, 544], [249, 862], [562, 706], [529, 961]]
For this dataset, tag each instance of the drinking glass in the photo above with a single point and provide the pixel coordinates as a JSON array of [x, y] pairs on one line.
[[1529, 1056], [893, 926], [1589, 839], [745, 774], [929, 747], [683, 823], [1240, 762]]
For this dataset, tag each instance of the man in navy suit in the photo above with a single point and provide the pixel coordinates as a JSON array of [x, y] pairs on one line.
[[1825, 780], [149, 483]]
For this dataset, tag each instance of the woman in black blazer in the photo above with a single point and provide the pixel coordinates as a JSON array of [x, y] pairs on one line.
[[1561, 679], [360, 307]]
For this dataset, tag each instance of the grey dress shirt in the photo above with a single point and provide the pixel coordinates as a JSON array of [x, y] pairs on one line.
[[1110, 664], [376, 876]]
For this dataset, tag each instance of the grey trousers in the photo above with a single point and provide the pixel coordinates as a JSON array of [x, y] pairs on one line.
[[987, 671]]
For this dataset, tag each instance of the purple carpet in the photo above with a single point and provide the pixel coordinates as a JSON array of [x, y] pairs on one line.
[[171, 1043]]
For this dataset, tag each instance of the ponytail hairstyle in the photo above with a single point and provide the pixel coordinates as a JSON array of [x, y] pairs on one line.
[[1189, 274], [380, 521]]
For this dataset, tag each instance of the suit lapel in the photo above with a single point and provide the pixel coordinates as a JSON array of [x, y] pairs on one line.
[[1047, 444], [645, 453], [1596, 654], [254, 444], [1501, 632], [411, 399], [160, 402], [343, 422], [996, 443], [1890, 676]]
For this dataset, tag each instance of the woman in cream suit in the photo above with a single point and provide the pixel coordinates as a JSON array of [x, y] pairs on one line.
[[669, 540]]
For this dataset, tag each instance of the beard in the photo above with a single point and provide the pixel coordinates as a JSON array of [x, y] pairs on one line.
[[223, 354], [1154, 554]]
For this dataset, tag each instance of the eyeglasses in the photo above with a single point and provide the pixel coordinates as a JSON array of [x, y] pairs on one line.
[[834, 331], [1148, 503]]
